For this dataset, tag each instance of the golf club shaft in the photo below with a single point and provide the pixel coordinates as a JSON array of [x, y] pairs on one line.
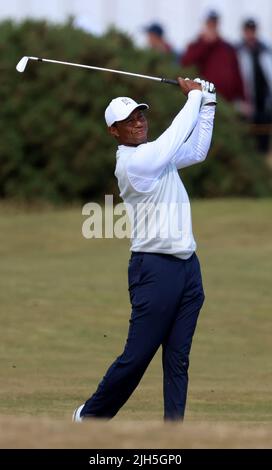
[[162, 80]]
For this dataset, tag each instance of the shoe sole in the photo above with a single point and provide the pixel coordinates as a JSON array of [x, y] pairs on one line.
[[76, 418]]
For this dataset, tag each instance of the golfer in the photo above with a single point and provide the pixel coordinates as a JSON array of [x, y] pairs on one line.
[[165, 285]]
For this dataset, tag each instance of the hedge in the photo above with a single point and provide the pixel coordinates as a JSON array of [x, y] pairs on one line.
[[54, 143]]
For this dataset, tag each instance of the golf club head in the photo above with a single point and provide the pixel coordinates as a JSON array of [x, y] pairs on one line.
[[20, 67]]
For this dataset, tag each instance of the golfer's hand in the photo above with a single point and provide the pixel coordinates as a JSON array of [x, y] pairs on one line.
[[188, 85], [208, 92]]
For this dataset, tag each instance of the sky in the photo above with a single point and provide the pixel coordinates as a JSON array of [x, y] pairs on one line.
[[181, 19]]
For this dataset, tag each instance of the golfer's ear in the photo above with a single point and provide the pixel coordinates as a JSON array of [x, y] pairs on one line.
[[113, 131]]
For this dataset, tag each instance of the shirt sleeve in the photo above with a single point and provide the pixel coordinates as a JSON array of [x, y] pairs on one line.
[[149, 160], [196, 148]]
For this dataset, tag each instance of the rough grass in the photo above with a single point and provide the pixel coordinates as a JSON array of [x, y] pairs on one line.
[[64, 316], [47, 433]]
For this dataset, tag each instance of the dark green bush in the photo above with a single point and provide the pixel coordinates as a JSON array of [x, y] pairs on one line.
[[54, 143]]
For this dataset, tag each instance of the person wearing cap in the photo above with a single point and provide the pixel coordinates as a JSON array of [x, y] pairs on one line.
[[156, 40], [165, 285], [255, 59], [215, 59]]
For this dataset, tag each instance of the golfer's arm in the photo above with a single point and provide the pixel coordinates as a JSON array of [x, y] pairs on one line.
[[149, 160], [196, 148]]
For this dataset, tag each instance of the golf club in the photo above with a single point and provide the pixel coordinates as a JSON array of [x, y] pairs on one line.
[[21, 66]]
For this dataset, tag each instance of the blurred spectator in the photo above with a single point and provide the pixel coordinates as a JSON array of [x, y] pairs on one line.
[[215, 59], [255, 59], [156, 39]]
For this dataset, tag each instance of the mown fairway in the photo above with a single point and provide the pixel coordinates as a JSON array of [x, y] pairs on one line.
[[64, 317]]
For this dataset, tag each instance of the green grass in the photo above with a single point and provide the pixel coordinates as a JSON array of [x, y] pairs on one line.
[[64, 315]]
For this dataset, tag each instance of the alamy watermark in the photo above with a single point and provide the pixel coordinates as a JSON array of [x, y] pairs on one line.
[[142, 220]]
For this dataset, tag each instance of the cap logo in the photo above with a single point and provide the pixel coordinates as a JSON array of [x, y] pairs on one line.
[[125, 101]]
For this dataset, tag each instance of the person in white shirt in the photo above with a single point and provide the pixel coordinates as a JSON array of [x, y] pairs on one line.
[[165, 282], [255, 61]]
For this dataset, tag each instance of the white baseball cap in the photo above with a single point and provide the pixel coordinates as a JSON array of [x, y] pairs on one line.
[[120, 108]]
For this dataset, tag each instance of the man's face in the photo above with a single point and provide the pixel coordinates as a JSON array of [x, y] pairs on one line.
[[250, 35], [212, 24], [153, 39], [132, 131]]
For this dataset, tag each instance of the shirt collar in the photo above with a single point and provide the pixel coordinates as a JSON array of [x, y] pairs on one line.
[[124, 150]]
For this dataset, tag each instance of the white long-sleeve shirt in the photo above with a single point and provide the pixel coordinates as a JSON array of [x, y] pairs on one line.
[[149, 183]]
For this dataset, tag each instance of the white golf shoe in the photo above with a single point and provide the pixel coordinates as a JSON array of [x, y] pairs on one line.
[[76, 418]]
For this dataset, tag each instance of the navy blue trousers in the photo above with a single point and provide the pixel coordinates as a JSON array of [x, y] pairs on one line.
[[166, 295]]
